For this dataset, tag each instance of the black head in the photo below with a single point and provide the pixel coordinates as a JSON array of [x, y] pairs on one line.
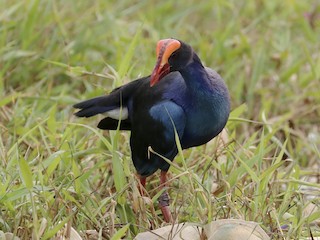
[[181, 57], [172, 55]]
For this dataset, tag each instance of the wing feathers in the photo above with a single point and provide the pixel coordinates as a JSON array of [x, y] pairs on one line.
[[112, 124]]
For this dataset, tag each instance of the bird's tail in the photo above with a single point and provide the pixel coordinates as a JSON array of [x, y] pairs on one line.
[[105, 105], [93, 107]]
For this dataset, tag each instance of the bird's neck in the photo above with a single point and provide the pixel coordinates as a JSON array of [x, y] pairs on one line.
[[195, 75]]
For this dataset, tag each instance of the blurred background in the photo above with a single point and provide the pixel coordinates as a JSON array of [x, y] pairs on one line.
[[54, 169]]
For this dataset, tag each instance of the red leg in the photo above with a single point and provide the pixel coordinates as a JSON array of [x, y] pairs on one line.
[[163, 178], [164, 200], [142, 184]]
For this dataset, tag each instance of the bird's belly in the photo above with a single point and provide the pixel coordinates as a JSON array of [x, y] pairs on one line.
[[200, 130], [192, 139]]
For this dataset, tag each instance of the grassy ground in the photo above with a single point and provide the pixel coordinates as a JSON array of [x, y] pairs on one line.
[[57, 169]]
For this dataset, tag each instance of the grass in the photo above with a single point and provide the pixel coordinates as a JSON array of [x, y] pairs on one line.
[[57, 169]]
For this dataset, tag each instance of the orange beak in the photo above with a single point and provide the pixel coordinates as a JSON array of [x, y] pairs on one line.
[[165, 48]]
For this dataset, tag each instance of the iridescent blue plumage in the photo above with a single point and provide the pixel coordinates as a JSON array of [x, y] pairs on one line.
[[193, 99], [185, 97]]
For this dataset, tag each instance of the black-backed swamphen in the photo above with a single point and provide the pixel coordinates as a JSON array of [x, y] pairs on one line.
[[181, 96]]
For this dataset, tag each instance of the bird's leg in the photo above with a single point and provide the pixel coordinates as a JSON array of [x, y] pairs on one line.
[[164, 200], [142, 184]]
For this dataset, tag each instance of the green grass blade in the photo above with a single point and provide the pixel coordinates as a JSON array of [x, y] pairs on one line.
[[126, 60], [53, 230], [25, 173], [121, 232]]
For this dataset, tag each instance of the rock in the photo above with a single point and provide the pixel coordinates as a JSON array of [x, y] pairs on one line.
[[230, 229], [227, 229], [186, 231]]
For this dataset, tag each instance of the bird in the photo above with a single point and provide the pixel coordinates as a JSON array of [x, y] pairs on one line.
[[181, 98]]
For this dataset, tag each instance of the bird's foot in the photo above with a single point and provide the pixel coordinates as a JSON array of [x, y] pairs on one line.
[[164, 203]]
